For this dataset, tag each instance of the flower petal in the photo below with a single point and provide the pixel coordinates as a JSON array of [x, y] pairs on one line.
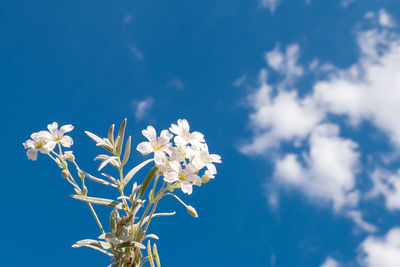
[[170, 177], [175, 129], [48, 147], [66, 141], [53, 128], [145, 148], [160, 158], [32, 154], [66, 128], [187, 188], [165, 136], [28, 144], [150, 134], [179, 141]]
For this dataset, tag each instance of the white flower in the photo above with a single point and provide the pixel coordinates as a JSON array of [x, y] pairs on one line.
[[186, 177], [204, 158], [159, 145], [183, 136], [39, 142], [58, 135]]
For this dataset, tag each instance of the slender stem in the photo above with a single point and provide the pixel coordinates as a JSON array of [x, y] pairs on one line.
[[151, 214], [157, 198], [144, 214], [96, 218], [170, 194]]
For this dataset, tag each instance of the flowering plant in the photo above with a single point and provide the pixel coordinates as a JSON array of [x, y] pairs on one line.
[[177, 165]]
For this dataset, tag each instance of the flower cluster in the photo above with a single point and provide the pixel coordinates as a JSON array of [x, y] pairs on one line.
[[181, 162], [45, 141]]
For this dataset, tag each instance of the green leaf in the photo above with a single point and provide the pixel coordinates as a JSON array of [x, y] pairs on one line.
[[100, 201], [156, 256], [127, 151], [111, 134], [147, 181], [114, 220], [121, 133], [150, 254], [132, 172]]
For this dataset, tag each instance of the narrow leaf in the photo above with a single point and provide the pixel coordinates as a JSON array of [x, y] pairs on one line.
[[147, 181], [115, 181], [100, 201], [132, 172], [98, 180], [151, 236], [94, 137], [127, 151], [121, 133], [95, 244], [156, 256], [111, 134], [105, 162]]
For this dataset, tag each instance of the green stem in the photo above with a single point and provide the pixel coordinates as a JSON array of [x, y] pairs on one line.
[[96, 218], [157, 198]]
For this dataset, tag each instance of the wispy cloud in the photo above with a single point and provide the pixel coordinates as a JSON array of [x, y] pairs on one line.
[[270, 4], [142, 107], [176, 84], [136, 52], [346, 3], [240, 81]]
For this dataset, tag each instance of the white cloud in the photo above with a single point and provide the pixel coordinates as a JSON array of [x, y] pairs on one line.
[[346, 3], [387, 184], [330, 262], [285, 63], [357, 218], [328, 171], [136, 52], [176, 83], [142, 107], [283, 117], [270, 4], [385, 19], [381, 252], [370, 89], [327, 164]]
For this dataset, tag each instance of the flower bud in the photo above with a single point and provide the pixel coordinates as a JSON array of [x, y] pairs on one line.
[[205, 179], [65, 173], [192, 211], [69, 156]]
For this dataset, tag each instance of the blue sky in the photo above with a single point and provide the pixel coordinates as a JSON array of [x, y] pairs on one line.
[[300, 98]]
